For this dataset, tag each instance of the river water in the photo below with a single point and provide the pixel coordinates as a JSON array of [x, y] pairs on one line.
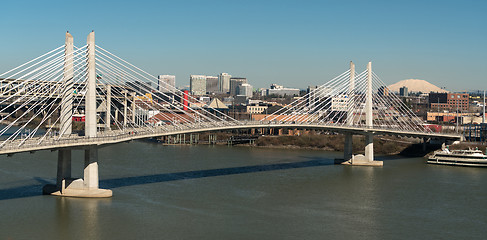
[[220, 192]]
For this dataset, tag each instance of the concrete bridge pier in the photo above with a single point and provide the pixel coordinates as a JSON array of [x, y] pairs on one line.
[[66, 186], [63, 166], [369, 147], [348, 149]]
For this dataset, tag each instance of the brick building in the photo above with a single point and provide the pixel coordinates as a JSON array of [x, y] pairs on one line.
[[449, 101]]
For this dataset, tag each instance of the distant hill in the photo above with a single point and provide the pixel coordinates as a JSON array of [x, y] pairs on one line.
[[415, 85]]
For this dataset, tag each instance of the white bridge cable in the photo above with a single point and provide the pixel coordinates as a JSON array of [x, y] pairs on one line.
[[50, 129], [136, 79], [41, 77], [126, 74], [286, 110], [76, 80], [189, 107], [288, 107], [333, 116], [31, 61], [352, 101], [153, 79], [339, 89], [381, 103], [161, 106], [144, 102], [76, 62], [405, 109], [406, 115], [110, 81], [21, 98], [80, 74], [115, 88], [113, 101], [328, 118], [32, 87], [361, 91], [18, 131], [336, 89], [59, 88], [46, 117], [359, 98], [331, 88], [42, 85], [53, 89], [28, 78]]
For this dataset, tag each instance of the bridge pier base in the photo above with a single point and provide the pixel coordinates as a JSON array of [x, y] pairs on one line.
[[368, 159], [70, 187], [359, 159], [348, 149], [63, 166]]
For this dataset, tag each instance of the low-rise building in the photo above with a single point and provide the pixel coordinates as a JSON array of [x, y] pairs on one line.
[[281, 91], [256, 109], [449, 101]]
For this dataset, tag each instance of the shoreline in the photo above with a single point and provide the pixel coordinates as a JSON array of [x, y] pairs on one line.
[[323, 142]]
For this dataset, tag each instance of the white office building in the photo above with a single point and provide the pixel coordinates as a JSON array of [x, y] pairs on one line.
[[212, 84], [224, 82], [235, 82], [281, 91], [246, 90], [197, 84], [167, 83]]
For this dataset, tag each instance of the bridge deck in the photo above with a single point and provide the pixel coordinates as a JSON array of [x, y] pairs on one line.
[[118, 136]]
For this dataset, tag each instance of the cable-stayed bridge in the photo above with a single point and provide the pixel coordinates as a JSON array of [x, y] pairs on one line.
[[113, 101]]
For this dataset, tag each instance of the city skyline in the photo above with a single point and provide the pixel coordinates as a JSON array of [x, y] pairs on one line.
[[291, 43]]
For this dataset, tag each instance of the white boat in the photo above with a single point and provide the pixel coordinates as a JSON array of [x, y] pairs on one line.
[[469, 158]]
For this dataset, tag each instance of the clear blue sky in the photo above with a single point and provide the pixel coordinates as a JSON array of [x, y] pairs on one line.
[[294, 43]]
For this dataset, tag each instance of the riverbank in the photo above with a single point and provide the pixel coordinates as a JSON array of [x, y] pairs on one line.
[[382, 145], [386, 145]]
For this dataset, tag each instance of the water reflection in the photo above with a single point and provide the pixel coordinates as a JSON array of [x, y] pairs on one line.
[[80, 216]]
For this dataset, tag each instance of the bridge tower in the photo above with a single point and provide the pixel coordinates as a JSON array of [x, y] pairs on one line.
[[90, 178], [369, 121], [66, 117], [65, 184], [90, 97], [368, 158], [347, 153]]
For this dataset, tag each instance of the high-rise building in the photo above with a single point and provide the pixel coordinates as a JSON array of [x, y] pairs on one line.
[[224, 81], [212, 84], [403, 92], [245, 89], [234, 83], [197, 84], [167, 83]]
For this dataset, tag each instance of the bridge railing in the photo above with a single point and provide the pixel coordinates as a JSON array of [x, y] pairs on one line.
[[104, 137]]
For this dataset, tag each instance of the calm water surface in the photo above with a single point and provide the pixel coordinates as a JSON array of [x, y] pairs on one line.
[[219, 192]]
